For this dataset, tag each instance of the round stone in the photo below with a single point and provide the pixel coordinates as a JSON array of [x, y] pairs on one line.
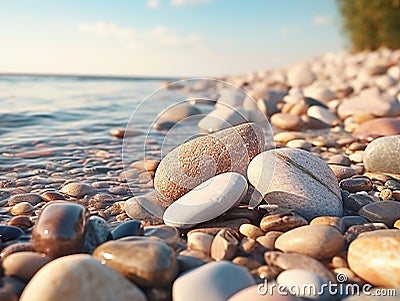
[[281, 221], [97, 231], [322, 114], [370, 100], [201, 158], [31, 198], [386, 126], [317, 241], [200, 242], [286, 121], [23, 208], [262, 292], [301, 181], [298, 279], [382, 154], [179, 112], [207, 201], [251, 231], [80, 277], [24, 265], [300, 76], [60, 228], [386, 212], [375, 257], [222, 118], [147, 262], [128, 228], [215, 281], [77, 190]]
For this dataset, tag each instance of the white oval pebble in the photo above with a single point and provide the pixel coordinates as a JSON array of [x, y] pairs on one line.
[[206, 201]]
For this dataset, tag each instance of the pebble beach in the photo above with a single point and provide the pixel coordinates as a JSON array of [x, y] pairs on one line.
[[249, 187]]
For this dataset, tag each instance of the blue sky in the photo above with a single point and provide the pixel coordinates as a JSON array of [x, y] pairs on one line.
[[164, 37]]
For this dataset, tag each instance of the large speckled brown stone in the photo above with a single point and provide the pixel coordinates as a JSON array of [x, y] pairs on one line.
[[375, 257], [197, 160]]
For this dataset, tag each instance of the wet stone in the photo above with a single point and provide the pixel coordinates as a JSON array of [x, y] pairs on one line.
[[80, 277], [386, 212], [354, 231], [77, 190], [170, 235], [23, 265], [356, 184], [16, 247], [59, 229], [147, 262], [22, 208], [97, 231], [21, 221], [10, 288], [128, 228], [8, 233], [49, 196], [355, 201], [31, 198]]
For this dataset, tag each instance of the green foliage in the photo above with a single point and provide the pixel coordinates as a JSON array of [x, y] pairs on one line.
[[370, 24]]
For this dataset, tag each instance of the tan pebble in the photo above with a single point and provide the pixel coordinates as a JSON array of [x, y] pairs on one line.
[[22, 208], [299, 108], [356, 146], [282, 221], [375, 257], [339, 262], [339, 160], [299, 143], [22, 221], [147, 164], [342, 172], [24, 265], [286, 121], [356, 157], [49, 196], [317, 241], [287, 261], [285, 137], [397, 224], [386, 194], [250, 231], [224, 245], [246, 262], [196, 254], [350, 276], [200, 242], [329, 221], [361, 118], [268, 240], [286, 107]]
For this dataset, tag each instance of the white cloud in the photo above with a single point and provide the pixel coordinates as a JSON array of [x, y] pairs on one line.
[[284, 31], [160, 35], [153, 3], [322, 20], [188, 2]]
